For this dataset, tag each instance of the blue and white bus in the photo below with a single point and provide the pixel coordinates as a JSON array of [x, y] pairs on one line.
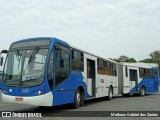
[[50, 72], [137, 78]]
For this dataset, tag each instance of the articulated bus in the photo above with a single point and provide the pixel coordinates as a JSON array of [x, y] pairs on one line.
[[51, 72]]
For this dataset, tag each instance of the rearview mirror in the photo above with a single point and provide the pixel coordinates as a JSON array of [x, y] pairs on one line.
[[4, 51]]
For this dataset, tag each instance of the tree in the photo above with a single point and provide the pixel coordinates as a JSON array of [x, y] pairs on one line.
[[155, 55], [132, 60], [155, 58], [124, 58], [148, 60]]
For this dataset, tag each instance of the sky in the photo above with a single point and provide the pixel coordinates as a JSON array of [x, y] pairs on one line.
[[108, 28]]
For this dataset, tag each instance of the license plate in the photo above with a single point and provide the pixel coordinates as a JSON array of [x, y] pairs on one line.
[[19, 99]]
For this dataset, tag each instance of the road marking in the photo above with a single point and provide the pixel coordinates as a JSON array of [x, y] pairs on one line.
[[150, 98], [59, 118]]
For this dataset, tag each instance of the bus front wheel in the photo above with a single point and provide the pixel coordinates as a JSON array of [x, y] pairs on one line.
[[78, 99]]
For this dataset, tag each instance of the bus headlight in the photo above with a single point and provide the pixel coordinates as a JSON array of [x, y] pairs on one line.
[[5, 91], [39, 92]]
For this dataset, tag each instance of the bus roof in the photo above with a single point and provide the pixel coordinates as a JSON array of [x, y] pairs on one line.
[[34, 38], [63, 42], [140, 64]]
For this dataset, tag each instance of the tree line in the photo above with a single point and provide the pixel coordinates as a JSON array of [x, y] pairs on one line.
[[154, 58]]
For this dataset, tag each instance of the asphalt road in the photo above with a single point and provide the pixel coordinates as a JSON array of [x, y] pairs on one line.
[[150, 102]]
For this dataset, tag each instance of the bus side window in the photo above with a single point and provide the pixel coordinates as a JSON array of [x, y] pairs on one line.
[[101, 67], [62, 64], [150, 73], [114, 71], [77, 60], [126, 71], [141, 72], [145, 73]]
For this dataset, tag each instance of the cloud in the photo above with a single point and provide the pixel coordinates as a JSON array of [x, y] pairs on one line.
[[107, 28]]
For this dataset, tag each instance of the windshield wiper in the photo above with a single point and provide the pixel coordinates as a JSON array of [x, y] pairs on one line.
[[18, 56], [33, 54]]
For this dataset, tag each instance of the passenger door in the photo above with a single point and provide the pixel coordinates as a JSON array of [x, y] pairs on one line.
[[133, 80], [62, 72], [91, 77]]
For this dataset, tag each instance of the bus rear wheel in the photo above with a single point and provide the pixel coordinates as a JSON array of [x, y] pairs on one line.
[[142, 91], [125, 95], [110, 94]]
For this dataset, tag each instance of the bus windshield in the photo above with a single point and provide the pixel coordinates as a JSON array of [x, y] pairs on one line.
[[25, 67]]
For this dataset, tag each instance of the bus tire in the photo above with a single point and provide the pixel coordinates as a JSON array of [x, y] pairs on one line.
[[77, 99], [125, 95], [110, 94], [142, 91], [82, 98]]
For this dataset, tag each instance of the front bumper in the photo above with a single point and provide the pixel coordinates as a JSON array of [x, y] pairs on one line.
[[41, 100]]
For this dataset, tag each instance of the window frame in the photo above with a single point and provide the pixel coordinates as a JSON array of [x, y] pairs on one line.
[[105, 67], [53, 69], [62, 69], [145, 73], [80, 62]]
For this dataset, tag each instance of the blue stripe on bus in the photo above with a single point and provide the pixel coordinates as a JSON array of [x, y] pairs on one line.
[[65, 91], [0, 84], [151, 84]]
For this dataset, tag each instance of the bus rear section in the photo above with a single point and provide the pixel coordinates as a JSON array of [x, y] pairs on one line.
[[137, 78]]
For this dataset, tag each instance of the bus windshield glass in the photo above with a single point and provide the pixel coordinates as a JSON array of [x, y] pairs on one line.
[[25, 67]]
